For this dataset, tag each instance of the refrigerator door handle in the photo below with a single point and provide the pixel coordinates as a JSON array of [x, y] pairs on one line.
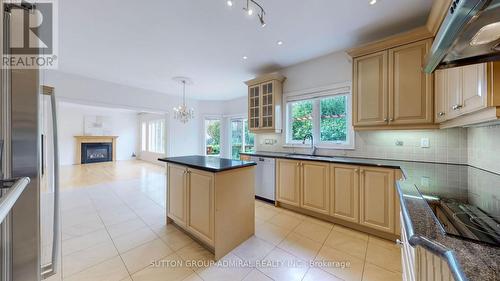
[[51, 268]]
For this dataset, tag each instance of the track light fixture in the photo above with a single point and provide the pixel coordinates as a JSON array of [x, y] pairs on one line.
[[249, 9]]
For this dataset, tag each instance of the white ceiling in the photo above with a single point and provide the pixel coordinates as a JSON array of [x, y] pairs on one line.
[[144, 43]]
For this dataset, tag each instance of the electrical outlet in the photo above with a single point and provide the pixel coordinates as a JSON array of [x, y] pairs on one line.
[[424, 181], [424, 143], [270, 141], [399, 143]]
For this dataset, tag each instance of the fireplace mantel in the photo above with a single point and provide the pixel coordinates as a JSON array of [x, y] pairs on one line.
[[92, 139]]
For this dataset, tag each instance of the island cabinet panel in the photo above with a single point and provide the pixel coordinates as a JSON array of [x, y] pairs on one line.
[[315, 187], [177, 185], [410, 88], [201, 204], [217, 208], [344, 184], [288, 182], [377, 209], [370, 90]]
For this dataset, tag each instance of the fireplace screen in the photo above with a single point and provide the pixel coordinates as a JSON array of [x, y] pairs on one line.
[[96, 152]]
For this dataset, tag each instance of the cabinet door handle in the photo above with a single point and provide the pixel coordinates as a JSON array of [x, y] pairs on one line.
[[298, 164], [355, 170], [399, 243], [385, 119], [441, 114], [392, 119], [362, 171], [456, 106]]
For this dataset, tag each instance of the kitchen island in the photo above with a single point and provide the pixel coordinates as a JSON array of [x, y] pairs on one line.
[[212, 199]]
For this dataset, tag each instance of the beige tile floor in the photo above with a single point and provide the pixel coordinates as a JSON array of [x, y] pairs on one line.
[[114, 229]]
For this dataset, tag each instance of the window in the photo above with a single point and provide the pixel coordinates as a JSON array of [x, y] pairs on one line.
[[144, 135], [241, 139], [333, 121], [301, 119], [153, 136], [325, 117], [212, 136]]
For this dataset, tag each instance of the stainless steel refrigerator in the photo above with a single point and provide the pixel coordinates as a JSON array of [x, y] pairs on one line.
[[29, 197]]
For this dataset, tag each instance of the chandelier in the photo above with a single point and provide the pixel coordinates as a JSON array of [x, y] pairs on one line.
[[249, 10], [182, 112]]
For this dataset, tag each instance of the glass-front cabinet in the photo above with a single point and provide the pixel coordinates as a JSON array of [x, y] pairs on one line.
[[264, 103]]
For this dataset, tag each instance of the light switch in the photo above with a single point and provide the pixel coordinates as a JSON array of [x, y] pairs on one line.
[[424, 143]]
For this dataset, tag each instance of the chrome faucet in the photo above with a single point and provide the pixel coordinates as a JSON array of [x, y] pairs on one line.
[[313, 147]]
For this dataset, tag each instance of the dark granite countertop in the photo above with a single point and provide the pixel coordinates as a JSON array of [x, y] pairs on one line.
[[208, 163], [468, 260]]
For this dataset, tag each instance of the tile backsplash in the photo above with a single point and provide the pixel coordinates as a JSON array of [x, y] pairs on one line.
[[445, 146], [483, 147]]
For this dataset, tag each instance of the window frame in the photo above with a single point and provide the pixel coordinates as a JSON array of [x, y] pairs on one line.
[[212, 118], [243, 120], [146, 128], [316, 95]]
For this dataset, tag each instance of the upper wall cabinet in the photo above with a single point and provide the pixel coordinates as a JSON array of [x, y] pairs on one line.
[[390, 89], [468, 95], [370, 86], [265, 103]]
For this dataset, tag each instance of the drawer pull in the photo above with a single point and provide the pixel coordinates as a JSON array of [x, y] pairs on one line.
[[456, 106], [441, 114]]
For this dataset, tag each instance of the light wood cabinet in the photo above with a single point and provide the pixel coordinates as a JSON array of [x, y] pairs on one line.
[[362, 195], [463, 90], [288, 181], [370, 90], [453, 92], [472, 94], [410, 89], [254, 107], [390, 88], [377, 209], [474, 88], [315, 188], [216, 208], [177, 186], [440, 96], [201, 204], [344, 190], [265, 103]]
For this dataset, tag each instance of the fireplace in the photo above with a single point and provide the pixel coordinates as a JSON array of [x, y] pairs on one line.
[[95, 152]]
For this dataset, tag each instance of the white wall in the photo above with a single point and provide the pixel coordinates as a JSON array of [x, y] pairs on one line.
[[182, 139], [71, 123], [323, 71]]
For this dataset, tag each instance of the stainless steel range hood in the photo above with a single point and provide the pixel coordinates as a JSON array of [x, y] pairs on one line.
[[469, 34]]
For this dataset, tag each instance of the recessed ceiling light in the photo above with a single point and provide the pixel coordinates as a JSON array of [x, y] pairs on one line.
[[279, 42], [373, 2], [229, 3], [245, 57], [250, 12]]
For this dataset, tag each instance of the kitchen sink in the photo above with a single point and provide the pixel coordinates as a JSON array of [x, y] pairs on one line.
[[309, 156]]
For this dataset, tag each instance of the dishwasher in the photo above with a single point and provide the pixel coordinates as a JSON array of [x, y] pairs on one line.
[[265, 178]]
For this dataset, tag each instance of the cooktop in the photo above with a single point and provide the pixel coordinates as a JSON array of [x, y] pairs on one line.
[[471, 209]]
